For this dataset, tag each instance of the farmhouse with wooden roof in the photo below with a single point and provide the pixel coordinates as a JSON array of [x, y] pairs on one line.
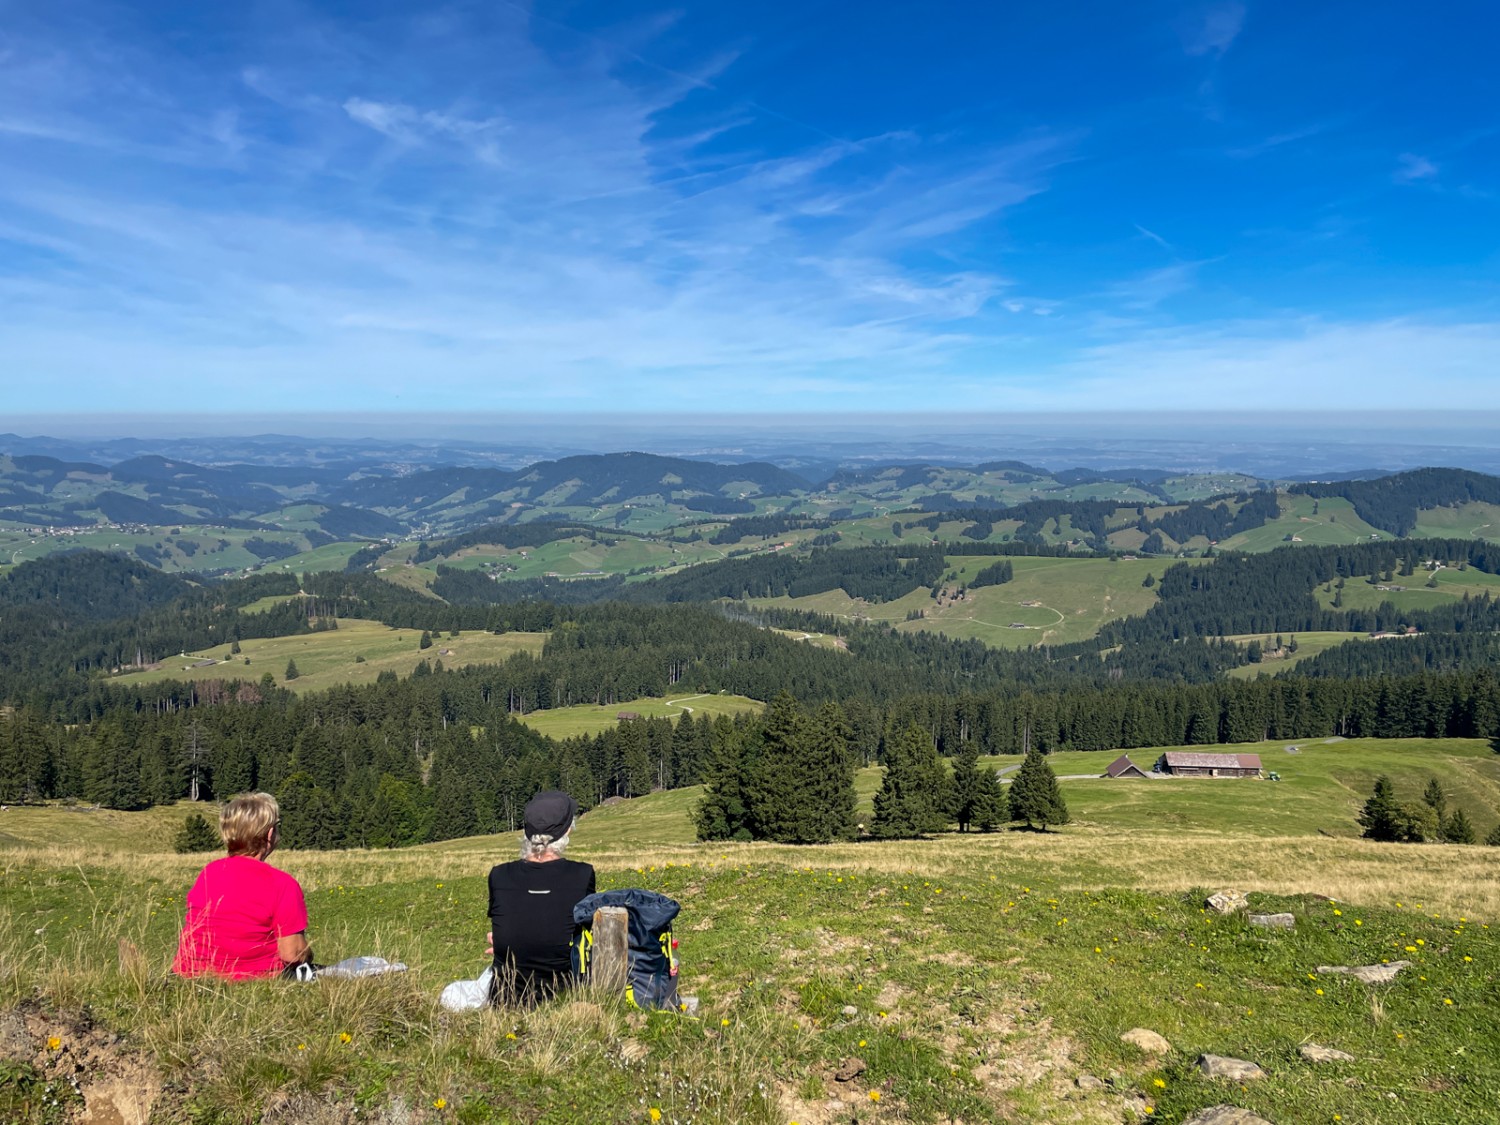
[[1187, 763], [1124, 767]]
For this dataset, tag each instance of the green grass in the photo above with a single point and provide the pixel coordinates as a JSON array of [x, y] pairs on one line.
[[976, 977], [1467, 521], [1075, 596], [1452, 585], [1334, 524], [589, 718], [1308, 645], [326, 659]]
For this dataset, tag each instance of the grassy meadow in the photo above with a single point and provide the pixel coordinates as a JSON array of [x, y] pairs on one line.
[[973, 977], [590, 718], [327, 659]]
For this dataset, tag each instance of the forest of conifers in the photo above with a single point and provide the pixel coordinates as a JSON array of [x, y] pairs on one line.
[[439, 753]]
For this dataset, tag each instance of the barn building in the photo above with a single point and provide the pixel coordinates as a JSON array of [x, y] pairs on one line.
[[1124, 767], [1181, 763]]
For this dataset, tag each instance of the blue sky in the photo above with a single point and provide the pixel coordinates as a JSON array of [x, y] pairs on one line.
[[586, 207]]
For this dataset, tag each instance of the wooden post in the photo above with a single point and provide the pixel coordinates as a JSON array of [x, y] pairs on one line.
[[609, 960]]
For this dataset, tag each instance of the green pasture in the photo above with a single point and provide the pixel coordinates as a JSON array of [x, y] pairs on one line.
[[975, 977], [1075, 597], [1468, 521], [329, 658], [210, 548], [1322, 786], [590, 718], [1452, 584], [1308, 645], [1334, 524]]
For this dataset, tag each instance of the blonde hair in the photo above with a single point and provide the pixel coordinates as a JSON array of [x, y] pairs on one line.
[[246, 820]]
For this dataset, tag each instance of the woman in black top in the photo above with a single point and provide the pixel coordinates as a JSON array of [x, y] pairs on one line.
[[531, 904]]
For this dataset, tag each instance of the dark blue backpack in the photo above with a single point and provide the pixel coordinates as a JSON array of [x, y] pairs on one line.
[[652, 981]]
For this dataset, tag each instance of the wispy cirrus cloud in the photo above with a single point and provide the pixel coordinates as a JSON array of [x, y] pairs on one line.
[[1212, 29], [1412, 168]]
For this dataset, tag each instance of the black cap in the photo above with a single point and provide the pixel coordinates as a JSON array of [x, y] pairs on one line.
[[550, 814]]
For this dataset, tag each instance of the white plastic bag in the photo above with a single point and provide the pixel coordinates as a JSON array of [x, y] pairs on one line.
[[467, 995], [361, 967]]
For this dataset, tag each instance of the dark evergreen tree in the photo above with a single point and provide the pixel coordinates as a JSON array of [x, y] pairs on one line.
[[912, 794], [425, 642], [1434, 799], [197, 835], [291, 671], [1457, 829], [1378, 817], [1493, 839], [777, 786], [1034, 796], [723, 814]]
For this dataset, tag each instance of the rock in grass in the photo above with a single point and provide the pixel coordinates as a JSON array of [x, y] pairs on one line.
[[1225, 1115], [1147, 1040], [850, 1010], [1088, 1082], [1274, 921], [1227, 902], [1314, 1053], [849, 1070], [1222, 1066], [1370, 974]]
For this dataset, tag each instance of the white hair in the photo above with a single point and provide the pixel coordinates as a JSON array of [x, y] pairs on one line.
[[534, 847]]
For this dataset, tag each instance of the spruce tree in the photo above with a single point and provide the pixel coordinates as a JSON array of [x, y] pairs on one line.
[[912, 794], [827, 764], [963, 792], [1433, 797], [1378, 818], [722, 814], [291, 671], [991, 808], [1034, 795], [1457, 829], [1493, 839], [777, 788], [196, 835]]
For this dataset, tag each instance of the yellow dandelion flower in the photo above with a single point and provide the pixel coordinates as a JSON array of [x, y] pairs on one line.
[[53, 1043], [874, 1095], [440, 1103], [1357, 922], [1320, 992], [882, 1015], [1421, 941], [301, 1046], [1447, 1001], [1468, 958], [654, 1113], [1338, 913], [724, 1022], [1159, 1083], [345, 1037], [1411, 949], [1098, 950], [510, 1035], [861, 1042]]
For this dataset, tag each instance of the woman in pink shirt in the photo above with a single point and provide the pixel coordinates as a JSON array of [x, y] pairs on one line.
[[244, 917]]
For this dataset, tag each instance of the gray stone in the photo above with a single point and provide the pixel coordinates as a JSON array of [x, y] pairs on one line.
[[1089, 1082], [1147, 1040], [1370, 974], [1314, 1053], [1221, 1066], [849, 1010], [1227, 902], [849, 1070], [1225, 1115], [1274, 921]]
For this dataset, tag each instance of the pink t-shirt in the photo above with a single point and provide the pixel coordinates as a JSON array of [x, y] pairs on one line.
[[236, 910]]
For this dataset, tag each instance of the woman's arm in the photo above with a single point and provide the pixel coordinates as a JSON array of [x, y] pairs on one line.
[[293, 949]]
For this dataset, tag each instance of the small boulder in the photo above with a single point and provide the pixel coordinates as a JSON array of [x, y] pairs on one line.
[[1314, 1053], [1274, 921], [1225, 1115], [850, 1010], [1089, 1082], [1370, 974], [849, 1070], [1147, 1040], [1227, 902], [1221, 1066]]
